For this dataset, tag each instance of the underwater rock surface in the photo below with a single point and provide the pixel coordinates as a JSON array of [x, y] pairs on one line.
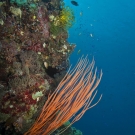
[[34, 54]]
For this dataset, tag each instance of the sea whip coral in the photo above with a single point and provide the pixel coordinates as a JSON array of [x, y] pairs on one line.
[[75, 92]]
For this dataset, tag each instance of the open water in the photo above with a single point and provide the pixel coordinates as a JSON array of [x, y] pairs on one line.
[[105, 29]]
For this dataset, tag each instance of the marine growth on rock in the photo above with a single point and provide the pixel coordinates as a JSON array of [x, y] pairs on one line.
[[34, 54]]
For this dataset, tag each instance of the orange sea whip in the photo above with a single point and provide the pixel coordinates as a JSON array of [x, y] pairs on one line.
[[74, 93]]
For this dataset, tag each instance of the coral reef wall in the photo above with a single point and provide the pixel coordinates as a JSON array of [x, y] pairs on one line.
[[34, 56]]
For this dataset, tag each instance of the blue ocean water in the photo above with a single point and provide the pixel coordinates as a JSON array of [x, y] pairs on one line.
[[106, 30]]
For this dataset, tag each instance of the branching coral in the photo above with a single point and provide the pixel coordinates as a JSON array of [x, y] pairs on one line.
[[75, 92]]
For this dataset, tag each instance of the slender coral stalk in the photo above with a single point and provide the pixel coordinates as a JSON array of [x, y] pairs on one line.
[[74, 93]]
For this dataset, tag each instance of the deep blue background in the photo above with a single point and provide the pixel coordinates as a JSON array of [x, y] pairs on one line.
[[112, 26]]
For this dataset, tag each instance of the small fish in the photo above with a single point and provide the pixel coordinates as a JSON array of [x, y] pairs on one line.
[[74, 3], [91, 24], [78, 51], [91, 35], [81, 13]]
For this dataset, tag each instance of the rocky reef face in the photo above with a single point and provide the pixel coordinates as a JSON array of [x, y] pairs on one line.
[[34, 54]]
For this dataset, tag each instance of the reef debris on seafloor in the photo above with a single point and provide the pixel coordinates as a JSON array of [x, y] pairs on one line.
[[34, 54]]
